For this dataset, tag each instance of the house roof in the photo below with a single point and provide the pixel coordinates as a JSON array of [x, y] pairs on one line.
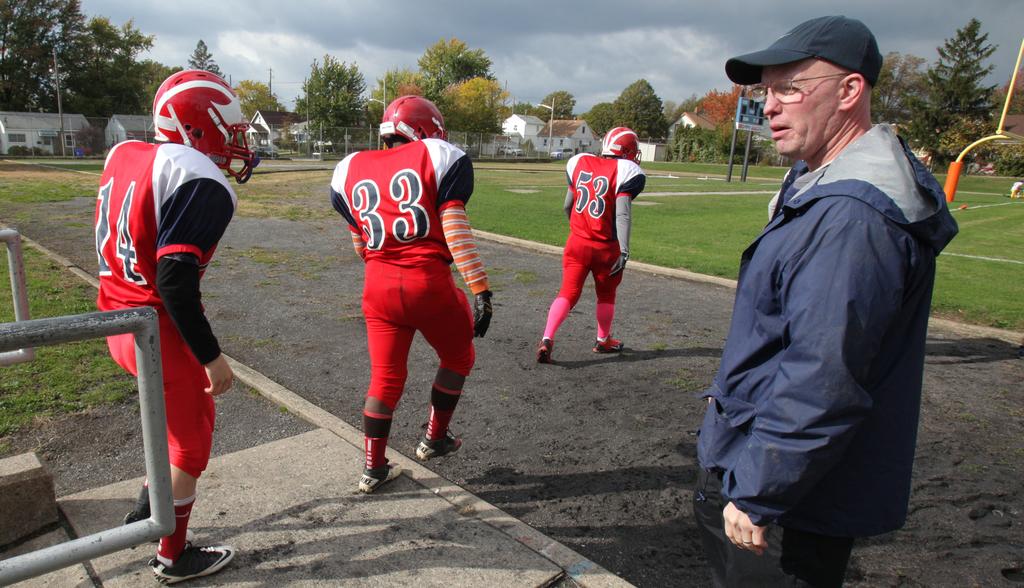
[[699, 120], [562, 128], [1014, 123], [529, 119], [41, 120], [277, 118], [139, 123]]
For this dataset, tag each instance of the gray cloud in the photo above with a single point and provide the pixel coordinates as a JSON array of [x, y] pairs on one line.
[[592, 49]]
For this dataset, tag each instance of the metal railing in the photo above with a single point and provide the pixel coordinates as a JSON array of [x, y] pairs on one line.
[[142, 322], [16, 264]]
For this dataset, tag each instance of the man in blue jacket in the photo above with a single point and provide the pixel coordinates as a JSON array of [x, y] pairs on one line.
[[808, 440]]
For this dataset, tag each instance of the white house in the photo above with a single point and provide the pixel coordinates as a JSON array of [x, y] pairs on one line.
[[128, 127], [268, 126], [40, 130], [525, 126], [572, 135], [691, 120]]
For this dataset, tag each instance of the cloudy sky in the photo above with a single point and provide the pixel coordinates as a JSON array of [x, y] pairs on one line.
[[591, 48]]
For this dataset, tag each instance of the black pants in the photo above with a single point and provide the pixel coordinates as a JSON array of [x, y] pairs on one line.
[[797, 558]]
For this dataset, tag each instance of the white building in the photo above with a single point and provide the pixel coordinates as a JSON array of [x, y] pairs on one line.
[[525, 126], [129, 127], [40, 130], [690, 120], [267, 127], [567, 135]]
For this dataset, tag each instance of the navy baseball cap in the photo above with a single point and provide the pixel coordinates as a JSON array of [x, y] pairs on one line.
[[846, 42]]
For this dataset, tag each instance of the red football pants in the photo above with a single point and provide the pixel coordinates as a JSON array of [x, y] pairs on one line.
[[584, 256], [190, 411], [397, 302]]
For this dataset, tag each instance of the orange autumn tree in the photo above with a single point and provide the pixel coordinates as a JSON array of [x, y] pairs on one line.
[[720, 107]]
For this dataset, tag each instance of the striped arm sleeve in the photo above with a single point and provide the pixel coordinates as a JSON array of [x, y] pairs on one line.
[[462, 245], [359, 245]]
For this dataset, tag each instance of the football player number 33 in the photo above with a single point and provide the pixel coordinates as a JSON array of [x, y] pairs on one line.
[[405, 189], [591, 203], [125, 246]]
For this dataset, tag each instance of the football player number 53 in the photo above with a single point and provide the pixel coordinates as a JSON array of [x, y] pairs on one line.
[[584, 203], [412, 222]]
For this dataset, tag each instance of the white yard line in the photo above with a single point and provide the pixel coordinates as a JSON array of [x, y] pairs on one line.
[[57, 167], [986, 206], [999, 259]]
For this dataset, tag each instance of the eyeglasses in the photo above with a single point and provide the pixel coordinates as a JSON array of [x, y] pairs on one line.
[[783, 89]]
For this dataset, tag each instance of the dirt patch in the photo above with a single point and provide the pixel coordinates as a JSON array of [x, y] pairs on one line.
[[596, 451]]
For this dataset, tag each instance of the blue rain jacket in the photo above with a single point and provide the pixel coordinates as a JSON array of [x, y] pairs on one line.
[[816, 402]]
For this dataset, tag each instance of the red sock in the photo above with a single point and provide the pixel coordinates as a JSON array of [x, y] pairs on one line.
[[377, 428], [172, 545], [442, 407]]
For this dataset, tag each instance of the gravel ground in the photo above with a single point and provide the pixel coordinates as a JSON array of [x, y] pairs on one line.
[[596, 451]]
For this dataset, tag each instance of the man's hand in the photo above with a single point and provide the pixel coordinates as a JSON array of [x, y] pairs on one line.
[[620, 264], [742, 532], [220, 375], [481, 313]]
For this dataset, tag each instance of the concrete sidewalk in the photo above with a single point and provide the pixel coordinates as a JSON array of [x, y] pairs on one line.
[[292, 510]]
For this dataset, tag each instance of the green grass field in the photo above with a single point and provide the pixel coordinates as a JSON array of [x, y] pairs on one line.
[[62, 378], [704, 230]]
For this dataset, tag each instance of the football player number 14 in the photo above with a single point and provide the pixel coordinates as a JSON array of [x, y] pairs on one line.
[[412, 222], [125, 246], [594, 203]]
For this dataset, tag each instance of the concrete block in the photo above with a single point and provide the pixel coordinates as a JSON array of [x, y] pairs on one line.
[[27, 498]]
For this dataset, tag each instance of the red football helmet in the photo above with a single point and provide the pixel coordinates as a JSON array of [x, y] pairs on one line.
[[198, 109], [621, 142], [413, 117]]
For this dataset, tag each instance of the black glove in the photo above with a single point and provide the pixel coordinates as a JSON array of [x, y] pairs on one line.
[[481, 313], [620, 264]]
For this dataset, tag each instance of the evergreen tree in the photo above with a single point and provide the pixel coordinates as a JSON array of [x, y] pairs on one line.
[[954, 94], [332, 97], [202, 59]]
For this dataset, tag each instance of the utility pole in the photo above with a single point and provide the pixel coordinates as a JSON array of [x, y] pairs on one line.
[[60, 105]]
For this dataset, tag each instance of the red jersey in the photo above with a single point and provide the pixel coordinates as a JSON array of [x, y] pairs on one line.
[[596, 182], [155, 200], [393, 198]]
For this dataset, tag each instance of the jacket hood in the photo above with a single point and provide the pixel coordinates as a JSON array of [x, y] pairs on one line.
[[879, 170]]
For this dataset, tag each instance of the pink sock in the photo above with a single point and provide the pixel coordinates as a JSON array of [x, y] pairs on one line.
[[559, 310], [605, 314]]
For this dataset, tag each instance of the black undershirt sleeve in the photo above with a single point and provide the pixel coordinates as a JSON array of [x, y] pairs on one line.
[[177, 281]]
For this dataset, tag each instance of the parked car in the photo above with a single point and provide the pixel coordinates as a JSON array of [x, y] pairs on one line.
[[266, 151], [562, 153], [510, 151]]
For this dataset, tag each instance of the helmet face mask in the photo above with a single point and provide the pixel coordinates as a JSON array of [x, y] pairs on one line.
[[413, 118], [200, 110], [621, 142]]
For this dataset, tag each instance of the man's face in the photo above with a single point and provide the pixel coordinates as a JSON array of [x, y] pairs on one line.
[[803, 121]]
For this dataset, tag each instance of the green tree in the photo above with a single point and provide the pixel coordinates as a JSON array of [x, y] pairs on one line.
[[394, 83], [448, 62], [527, 108], [107, 78], [30, 31], [601, 117], [954, 92], [201, 58], [640, 109], [1017, 101], [152, 74], [332, 96], [255, 96], [900, 80], [475, 106], [564, 104]]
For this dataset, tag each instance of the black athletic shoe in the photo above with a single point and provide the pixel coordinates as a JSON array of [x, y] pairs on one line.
[[375, 478], [193, 562], [429, 449]]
